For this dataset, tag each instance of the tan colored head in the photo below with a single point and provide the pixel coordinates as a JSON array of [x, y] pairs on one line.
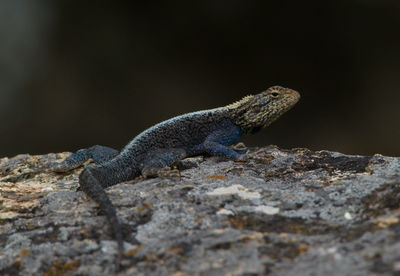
[[257, 111]]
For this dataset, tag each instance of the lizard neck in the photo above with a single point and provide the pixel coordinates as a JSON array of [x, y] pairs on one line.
[[239, 111]]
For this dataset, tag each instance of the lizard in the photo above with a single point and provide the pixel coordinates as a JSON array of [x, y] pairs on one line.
[[203, 132]]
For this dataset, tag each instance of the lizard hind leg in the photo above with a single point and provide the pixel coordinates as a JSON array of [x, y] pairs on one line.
[[157, 160], [99, 154]]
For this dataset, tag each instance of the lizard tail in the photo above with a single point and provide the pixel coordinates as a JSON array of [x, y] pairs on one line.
[[94, 189]]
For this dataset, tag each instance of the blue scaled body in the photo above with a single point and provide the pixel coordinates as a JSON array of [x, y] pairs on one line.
[[204, 132]]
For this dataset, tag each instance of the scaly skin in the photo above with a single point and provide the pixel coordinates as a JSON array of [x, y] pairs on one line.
[[203, 132]]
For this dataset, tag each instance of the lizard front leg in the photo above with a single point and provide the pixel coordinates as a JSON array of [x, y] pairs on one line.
[[218, 141]]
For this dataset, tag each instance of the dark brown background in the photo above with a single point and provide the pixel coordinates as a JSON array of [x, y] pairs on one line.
[[74, 74]]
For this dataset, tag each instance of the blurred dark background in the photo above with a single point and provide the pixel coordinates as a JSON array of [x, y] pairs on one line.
[[78, 74]]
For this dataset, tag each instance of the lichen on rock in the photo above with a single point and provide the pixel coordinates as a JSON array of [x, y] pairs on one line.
[[281, 212]]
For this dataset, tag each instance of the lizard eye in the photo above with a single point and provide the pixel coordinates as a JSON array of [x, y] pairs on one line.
[[274, 94]]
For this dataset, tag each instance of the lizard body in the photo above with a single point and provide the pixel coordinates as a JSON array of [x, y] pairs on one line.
[[203, 132]]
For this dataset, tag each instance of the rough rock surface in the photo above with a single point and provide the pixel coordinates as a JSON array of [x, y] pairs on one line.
[[281, 212]]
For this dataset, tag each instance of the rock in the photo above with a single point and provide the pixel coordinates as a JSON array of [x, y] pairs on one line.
[[280, 212]]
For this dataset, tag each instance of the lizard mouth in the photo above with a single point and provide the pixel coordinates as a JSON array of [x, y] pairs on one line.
[[295, 97]]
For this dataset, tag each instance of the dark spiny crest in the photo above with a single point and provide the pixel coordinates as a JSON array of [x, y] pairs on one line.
[[255, 112]]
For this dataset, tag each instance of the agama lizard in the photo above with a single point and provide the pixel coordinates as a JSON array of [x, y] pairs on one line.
[[203, 132]]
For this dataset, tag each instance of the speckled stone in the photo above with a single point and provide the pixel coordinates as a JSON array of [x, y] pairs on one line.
[[281, 212]]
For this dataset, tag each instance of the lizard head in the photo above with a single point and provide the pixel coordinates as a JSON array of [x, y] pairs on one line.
[[257, 111]]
